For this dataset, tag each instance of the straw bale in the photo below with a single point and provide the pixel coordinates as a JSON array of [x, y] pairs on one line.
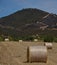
[[37, 54], [20, 40], [35, 40], [6, 39], [48, 45]]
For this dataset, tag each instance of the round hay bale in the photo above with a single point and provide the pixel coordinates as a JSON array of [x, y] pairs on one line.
[[35, 40], [48, 45], [6, 39], [20, 40], [37, 54]]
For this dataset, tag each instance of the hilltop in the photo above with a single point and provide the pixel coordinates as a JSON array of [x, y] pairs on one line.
[[28, 22]]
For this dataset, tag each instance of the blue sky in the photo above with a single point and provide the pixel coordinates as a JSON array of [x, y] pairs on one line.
[[8, 7]]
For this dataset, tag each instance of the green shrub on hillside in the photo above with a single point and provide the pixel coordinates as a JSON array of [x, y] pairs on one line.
[[48, 39], [29, 38], [1, 38], [55, 39]]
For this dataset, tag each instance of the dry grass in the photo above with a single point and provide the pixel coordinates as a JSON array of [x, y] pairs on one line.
[[15, 53]]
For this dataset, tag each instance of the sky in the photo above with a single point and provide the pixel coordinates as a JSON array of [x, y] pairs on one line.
[[8, 7]]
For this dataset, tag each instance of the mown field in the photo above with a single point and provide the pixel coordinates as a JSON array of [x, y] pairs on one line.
[[15, 53]]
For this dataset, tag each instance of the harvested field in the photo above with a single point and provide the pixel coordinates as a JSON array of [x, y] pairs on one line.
[[15, 53]]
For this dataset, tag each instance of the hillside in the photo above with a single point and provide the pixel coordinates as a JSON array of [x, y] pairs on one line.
[[28, 22]]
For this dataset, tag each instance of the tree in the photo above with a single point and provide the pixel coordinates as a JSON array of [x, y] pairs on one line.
[[48, 38], [55, 39], [1, 38]]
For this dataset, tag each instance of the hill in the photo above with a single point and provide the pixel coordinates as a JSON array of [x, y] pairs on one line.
[[28, 22]]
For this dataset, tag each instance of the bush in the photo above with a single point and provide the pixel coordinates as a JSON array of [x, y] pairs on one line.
[[10, 38], [48, 39], [1, 39], [55, 39], [28, 38]]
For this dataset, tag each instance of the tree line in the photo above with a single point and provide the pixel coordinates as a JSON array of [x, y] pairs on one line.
[[45, 38]]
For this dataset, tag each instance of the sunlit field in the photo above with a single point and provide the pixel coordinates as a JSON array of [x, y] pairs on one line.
[[15, 53]]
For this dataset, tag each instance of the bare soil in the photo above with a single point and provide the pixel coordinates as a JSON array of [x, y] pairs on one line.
[[15, 53]]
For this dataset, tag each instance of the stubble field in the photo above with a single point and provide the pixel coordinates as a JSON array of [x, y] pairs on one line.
[[15, 53]]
